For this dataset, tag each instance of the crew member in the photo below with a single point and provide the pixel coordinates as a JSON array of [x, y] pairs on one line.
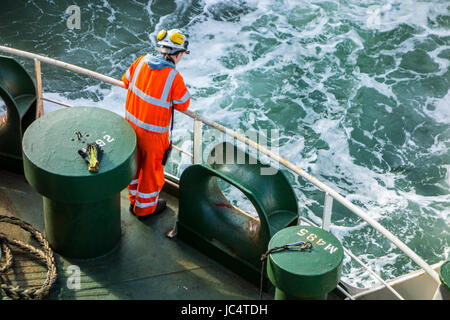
[[154, 88]]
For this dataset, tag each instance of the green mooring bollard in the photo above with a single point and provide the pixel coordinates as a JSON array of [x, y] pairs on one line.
[[81, 209], [307, 274]]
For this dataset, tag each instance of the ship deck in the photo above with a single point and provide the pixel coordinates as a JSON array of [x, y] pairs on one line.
[[144, 265]]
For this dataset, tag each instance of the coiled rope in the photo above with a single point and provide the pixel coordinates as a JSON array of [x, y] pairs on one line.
[[45, 255]]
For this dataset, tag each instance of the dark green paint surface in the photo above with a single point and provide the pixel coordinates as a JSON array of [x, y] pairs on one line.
[[210, 223], [85, 230], [305, 274], [54, 167], [17, 91], [81, 209]]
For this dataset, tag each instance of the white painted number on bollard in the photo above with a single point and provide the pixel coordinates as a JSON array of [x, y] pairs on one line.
[[102, 143], [313, 237]]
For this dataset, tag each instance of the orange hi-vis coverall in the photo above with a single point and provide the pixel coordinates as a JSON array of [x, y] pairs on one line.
[[154, 87]]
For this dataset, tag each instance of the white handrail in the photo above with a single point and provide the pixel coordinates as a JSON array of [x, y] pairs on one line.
[[63, 65], [360, 213], [57, 102]]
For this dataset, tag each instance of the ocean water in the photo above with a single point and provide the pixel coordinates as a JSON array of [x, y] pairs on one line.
[[358, 92]]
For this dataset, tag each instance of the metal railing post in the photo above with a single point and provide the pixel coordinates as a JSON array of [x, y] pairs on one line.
[[197, 144], [327, 211], [39, 101]]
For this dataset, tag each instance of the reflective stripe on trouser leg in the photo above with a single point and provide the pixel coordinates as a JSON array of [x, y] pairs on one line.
[[132, 188], [142, 207], [151, 149]]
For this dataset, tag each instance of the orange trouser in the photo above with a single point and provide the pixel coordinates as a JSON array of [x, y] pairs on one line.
[[144, 189]]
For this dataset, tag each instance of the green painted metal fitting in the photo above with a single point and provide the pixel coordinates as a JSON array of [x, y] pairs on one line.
[[81, 209], [208, 221], [444, 274], [309, 273], [18, 102]]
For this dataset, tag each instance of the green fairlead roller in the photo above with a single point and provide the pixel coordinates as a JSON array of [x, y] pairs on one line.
[[81, 209], [309, 273], [17, 111]]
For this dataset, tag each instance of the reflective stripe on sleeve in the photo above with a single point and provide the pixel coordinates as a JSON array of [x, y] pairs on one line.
[[183, 99], [168, 85]]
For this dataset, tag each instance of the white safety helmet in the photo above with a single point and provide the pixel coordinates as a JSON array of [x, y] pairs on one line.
[[172, 41]]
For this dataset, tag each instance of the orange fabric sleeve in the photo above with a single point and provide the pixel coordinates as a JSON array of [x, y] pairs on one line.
[[180, 94]]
